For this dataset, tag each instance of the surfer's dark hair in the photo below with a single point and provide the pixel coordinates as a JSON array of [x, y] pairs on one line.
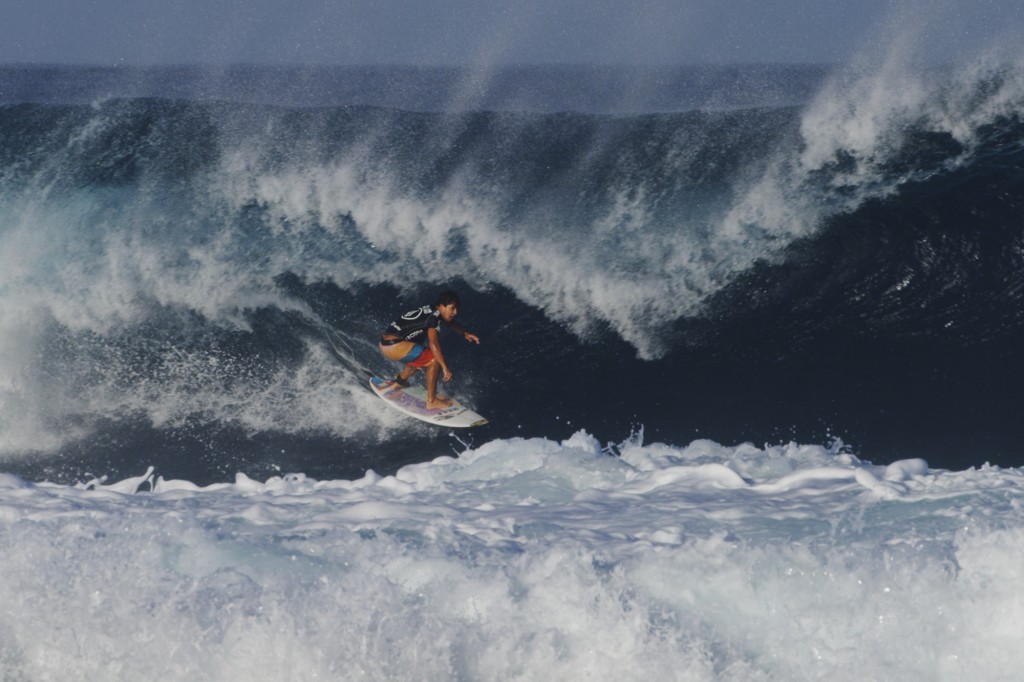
[[447, 298]]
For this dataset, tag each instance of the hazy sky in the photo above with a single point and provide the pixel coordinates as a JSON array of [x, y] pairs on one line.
[[491, 31]]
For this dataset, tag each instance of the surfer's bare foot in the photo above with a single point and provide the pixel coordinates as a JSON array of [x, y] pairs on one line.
[[439, 403]]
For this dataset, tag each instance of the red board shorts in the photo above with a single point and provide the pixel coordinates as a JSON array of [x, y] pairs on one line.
[[408, 352]]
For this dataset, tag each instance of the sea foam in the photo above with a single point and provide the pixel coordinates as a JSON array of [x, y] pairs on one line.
[[523, 559]]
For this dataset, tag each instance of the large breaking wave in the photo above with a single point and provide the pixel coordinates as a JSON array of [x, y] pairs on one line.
[[198, 263]]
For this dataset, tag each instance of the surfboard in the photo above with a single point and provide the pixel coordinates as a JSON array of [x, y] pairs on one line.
[[412, 401]]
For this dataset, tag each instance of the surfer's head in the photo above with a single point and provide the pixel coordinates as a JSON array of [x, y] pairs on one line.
[[447, 298], [448, 304]]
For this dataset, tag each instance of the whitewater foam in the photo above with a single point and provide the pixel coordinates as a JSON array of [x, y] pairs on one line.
[[523, 559]]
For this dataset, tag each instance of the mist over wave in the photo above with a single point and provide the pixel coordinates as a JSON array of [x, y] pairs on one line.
[[541, 89]]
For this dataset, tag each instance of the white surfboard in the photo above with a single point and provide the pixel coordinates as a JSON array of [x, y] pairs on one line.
[[413, 402]]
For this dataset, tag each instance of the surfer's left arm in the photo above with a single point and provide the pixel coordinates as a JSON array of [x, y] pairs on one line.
[[469, 336]]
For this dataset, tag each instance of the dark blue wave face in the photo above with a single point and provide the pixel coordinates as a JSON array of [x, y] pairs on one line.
[[197, 285]]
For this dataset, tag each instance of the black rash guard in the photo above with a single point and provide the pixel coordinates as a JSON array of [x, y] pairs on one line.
[[414, 324]]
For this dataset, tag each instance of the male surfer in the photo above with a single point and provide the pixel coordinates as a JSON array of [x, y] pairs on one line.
[[413, 339]]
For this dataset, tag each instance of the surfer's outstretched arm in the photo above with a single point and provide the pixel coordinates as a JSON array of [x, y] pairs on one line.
[[469, 336]]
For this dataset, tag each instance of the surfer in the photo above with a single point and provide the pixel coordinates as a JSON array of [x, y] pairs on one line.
[[413, 339]]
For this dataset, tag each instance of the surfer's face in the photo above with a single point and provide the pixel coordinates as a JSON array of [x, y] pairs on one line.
[[448, 312]]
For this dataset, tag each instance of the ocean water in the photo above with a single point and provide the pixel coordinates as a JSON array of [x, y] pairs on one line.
[[524, 559], [750, 354]]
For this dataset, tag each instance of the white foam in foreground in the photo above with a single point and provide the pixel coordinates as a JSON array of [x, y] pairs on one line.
[[524, 560]]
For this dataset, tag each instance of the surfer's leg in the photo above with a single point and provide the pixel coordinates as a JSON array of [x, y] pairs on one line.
[[415, 357], [434, 402]]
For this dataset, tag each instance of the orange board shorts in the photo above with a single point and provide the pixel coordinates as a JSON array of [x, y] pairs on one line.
[[408, 352]]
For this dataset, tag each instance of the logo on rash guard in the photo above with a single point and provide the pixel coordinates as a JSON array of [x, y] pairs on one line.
[[416, 314]]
